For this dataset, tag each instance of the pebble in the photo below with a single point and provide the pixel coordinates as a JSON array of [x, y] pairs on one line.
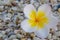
[[4, 2], [15, 39], [57, 33], [8, 30], [54, 37], [58, 26], [1, 7], [14, 8], [59, 10], [16, 31], [12, 37], [23, 38], [36, 4], [1, 35], [12, 25], [3, 32], [36, 38], [49, 36], [19, 35]]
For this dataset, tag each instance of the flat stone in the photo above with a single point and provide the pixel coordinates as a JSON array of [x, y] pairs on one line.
[[15, 39], [57, 33], [12, 37], [36, 38]]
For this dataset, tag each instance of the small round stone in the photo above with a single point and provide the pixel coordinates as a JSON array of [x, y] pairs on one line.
[[59, 10], [3, 32], [57, 33], [36, 38], [15, 39], [23, 38], [19, 35], [32, 35], [12, 37]]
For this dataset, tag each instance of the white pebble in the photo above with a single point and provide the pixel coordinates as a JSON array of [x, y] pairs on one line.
[[14, 8], [15, 39], [57, 33], [12, 37], [36, 38]]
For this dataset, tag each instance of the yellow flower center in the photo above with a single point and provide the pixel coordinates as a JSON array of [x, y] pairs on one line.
[[38, 19]]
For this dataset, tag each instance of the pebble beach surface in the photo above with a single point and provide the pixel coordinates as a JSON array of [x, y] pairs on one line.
[[11, 16]]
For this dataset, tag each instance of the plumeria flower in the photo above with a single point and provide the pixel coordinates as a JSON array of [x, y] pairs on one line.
[[39, 21]]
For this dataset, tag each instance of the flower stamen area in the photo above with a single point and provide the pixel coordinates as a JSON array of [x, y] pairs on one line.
[[38, 19]]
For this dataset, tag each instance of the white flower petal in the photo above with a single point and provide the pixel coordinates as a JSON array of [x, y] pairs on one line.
[[26, 27], [53, 21], [45, 8], [28, 9], [42, 33]]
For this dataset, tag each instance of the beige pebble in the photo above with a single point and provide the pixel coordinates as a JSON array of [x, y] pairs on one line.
[[23, 38], [32, 35], [59, 10], [11, 11], [0, 20], [58, 0], [53, 1], [42, 1], [0, 24], [19, 35], [18, 31], [58, 25], [15, 39], [58, 38]]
